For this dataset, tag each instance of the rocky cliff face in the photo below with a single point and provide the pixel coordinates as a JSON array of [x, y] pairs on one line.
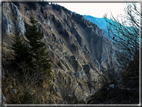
[[79, 50]]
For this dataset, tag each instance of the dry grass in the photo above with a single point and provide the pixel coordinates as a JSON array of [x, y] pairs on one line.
[[7, 52]]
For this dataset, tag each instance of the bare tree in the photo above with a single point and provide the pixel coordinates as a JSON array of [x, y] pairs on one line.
[[28, 78], [125, 33]]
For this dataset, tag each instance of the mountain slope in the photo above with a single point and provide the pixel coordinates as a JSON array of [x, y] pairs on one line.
[[79, 50], [100, 22]]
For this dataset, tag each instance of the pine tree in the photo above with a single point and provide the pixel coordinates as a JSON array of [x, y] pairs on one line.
[[37, 47], [21, 51]]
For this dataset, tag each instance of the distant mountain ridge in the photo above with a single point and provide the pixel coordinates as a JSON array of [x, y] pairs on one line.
[[100, 22]]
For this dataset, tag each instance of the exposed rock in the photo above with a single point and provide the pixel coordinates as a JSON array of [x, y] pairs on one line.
[[3, 73], [19, 23], [14, 91], [78, 49], [8, 23], [4, 100], [5, 26]]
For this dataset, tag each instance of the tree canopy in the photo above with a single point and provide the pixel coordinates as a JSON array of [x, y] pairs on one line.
[[34, 52], [21, 51]]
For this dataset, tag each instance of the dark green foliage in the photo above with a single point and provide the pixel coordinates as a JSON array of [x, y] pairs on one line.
[[32, 5], [26, 25], [34, 52], [42, 34], [37, 47], [21, 51], [41, 9]]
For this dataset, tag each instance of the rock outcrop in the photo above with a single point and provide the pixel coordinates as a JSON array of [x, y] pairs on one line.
[[78, 49]]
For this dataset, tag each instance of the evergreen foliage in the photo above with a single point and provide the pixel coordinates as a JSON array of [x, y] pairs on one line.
[[34, 52], [22, 52], [37, 47]]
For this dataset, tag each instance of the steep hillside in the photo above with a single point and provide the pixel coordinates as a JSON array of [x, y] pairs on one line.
[[101, 23], [79, 50]]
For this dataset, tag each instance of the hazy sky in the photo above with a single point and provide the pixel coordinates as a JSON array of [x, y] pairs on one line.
[[95, 9], [98, 9]]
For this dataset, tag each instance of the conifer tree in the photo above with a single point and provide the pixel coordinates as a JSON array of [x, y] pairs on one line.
[[21, 51], [37, 47]]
